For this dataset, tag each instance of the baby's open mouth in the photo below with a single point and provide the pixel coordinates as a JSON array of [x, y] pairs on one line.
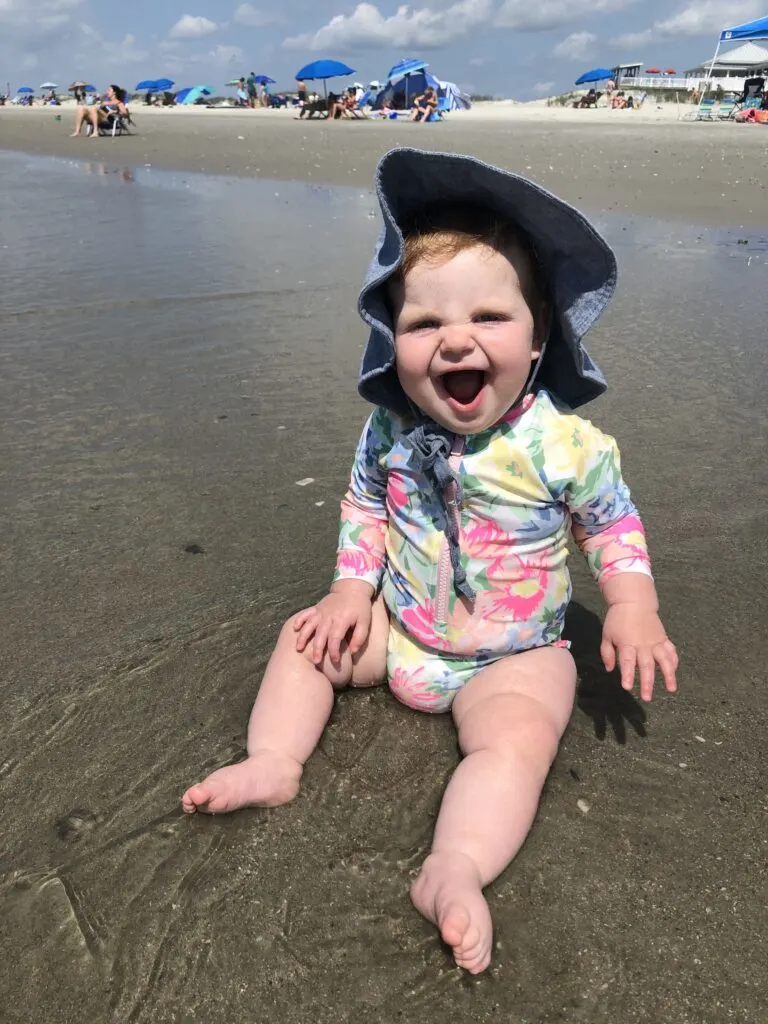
[[463, 386]]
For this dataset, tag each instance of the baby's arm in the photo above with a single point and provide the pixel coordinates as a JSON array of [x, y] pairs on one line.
[[609, 532], [346, 611]]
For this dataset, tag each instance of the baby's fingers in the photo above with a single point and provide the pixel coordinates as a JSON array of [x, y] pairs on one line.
[[627, 661], [608, 654], [668, 661], [359, 635], [306, 628], [646, 667], [336, 637]]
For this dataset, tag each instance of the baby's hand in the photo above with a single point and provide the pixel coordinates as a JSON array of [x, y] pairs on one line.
[[347, 607], [642, 643]]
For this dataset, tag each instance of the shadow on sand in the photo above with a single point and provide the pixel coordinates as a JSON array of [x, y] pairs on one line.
[[600, 695]]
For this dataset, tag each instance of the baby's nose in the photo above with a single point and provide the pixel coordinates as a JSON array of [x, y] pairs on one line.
[[457, 339]]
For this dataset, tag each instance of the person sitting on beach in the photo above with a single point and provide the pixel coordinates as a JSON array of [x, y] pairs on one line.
[[425, 105], [342, 105], [470, 476], [112, 104]]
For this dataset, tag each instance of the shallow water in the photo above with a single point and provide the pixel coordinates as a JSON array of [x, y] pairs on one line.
[[176, 352]]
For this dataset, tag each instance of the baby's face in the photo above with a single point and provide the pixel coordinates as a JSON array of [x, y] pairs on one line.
[[465, 337]]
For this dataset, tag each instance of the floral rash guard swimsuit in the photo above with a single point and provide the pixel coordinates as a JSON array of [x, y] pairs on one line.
[[528, 483]]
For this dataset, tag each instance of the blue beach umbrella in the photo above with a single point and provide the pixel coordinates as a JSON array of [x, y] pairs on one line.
[[189, 96], [264, 80], [407, 67], [154, 85], [411, 84], [90, 88], [323, 69], [595, 75], [24, 89]]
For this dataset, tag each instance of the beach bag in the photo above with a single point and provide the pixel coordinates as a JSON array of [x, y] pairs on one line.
[[761, 116], [746, 116]]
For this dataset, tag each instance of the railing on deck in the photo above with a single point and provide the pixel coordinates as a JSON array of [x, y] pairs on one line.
[[685, 84]]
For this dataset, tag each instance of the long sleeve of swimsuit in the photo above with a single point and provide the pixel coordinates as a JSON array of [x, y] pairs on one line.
[[361, 553], [604, 521]]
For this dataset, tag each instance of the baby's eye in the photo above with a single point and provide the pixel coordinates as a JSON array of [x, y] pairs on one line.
[[427, 324], [490, 318]]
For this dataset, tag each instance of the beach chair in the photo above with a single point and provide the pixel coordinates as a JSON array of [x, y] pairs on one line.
[[358, 111], [726, 109], [704, 111], [116, 124]]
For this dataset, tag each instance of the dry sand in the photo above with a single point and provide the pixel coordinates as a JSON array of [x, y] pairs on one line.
[[142, 430], [643, 162]]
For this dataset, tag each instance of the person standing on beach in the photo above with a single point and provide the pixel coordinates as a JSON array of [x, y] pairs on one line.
[[250, 85], [471, 476]]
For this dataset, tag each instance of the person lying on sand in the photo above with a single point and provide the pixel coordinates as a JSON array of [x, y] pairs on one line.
[[113, 103], [470, 475]]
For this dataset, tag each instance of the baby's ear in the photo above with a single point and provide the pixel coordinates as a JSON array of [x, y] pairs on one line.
[[541, 323]]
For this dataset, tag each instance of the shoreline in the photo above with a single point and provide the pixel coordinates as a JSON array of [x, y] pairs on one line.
[[627, 162]]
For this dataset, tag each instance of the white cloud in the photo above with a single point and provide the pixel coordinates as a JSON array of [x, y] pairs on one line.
[[576, 46], [367, 28], [708, 18], [252, 17], [542, 88], [190, 26], [114, 54], [632, 39], [225, 55], [527, 16], [222, 57], [48, 14]]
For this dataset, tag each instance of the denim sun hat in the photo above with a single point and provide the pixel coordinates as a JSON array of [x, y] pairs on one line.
[[578, 264]]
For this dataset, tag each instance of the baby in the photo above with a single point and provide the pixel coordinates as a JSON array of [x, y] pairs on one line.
[[470, 477]]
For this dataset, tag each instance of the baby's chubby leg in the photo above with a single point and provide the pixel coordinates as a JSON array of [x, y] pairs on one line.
[[510, 718], [291, 710]]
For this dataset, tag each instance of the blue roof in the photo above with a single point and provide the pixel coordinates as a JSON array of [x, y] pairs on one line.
[[749, 30]]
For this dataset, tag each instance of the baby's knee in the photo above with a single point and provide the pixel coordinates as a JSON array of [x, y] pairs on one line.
[[338, 673], [512, 725]]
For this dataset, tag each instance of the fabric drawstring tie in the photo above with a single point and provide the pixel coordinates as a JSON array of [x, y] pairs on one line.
[[431, 447]]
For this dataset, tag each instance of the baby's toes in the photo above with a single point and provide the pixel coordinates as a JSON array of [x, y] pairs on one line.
[[474, 957], [454, 926], [195, 798]]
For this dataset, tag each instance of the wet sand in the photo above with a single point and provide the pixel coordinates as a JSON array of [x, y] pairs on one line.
[[158, 407], [703, 173]]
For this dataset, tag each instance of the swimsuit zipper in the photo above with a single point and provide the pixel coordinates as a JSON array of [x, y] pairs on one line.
[[444, 560]]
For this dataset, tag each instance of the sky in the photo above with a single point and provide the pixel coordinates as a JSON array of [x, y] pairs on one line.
[[520, 49]]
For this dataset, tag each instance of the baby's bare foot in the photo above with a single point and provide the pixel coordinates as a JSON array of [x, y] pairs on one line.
[[265, 779], [448, 893]]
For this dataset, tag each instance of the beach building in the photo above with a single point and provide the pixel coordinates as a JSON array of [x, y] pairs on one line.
[[731, 69], [632, 76]]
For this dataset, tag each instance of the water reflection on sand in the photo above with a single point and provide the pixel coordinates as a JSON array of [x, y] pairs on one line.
[[175, 357]]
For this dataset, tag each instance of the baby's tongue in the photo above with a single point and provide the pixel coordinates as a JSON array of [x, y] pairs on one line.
[[463, 385]]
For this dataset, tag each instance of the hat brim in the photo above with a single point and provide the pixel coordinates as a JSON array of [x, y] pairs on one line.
[[579, 266]]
